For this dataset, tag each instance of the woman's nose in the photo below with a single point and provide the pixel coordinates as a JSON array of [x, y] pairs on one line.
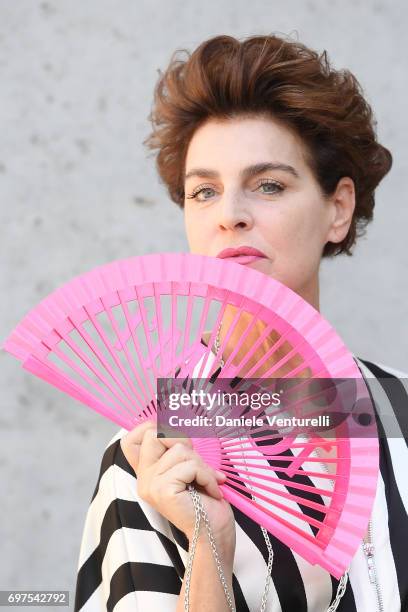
[[233, 213]]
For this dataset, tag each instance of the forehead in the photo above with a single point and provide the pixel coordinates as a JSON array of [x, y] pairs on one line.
[[230, 144]]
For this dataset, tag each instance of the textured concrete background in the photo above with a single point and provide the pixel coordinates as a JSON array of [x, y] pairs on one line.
[[77, 190]]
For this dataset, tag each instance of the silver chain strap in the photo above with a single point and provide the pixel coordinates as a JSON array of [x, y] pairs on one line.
[[268, 569], [341, 589], [189, 566], [201, 513]]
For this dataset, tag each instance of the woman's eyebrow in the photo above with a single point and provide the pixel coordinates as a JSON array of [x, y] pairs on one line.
[[245, 173]]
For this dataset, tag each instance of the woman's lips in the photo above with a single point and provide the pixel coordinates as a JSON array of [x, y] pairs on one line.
[[242, 255]]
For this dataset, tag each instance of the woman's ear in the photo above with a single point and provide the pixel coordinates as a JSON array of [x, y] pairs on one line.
[[343, 202]]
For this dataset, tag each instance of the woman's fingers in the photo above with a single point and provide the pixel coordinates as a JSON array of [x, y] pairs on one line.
[[169, 442], [135, 436], [220, 476], [206, 479], [181, 452], [131, 442], [153, 448], [175, 454], [186, 472]]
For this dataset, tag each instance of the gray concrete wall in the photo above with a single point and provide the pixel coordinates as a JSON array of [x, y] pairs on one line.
[[77, 190]]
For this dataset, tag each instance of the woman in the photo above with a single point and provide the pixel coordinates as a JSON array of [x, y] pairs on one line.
[[266, 147]]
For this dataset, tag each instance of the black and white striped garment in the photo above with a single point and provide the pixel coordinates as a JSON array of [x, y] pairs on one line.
[[132, 559]]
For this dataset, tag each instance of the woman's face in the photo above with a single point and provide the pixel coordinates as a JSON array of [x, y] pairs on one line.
[[248, 184]]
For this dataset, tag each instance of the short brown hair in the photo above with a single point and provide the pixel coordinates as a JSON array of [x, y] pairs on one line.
[[282, 78]]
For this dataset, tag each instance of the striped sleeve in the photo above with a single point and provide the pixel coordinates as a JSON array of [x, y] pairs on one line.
[[127, 558]]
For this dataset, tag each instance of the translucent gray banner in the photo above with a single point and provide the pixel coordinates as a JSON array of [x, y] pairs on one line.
[[282, 407]]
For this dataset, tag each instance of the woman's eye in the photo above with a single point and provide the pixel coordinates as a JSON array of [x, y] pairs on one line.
[[271, 187], [206, 191]]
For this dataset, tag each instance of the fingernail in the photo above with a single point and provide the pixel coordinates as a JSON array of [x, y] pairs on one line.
[[220, 474]]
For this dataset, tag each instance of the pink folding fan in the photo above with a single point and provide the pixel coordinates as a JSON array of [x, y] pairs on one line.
[[109, 335]]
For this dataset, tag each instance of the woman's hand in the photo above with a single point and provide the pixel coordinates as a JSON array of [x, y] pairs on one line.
[[164, 467]]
